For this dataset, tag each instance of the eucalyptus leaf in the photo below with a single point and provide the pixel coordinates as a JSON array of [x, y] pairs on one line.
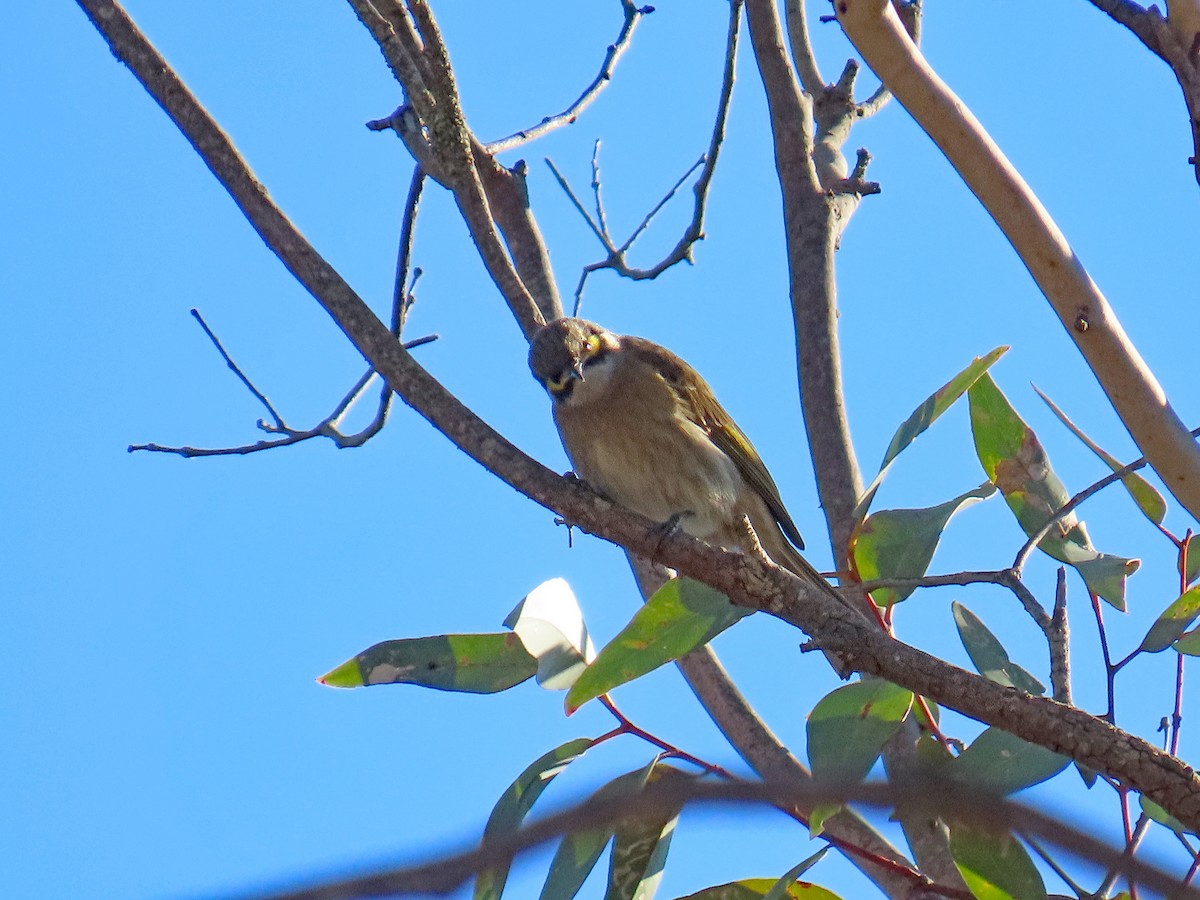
[[994, 866], [988, 654], [472, 663], [1015, 461], [682, 615], [849, 726]]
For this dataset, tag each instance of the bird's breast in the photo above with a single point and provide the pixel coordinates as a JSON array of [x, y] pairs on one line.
[[637, 447]]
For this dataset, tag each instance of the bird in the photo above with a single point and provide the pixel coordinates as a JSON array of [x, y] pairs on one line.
[[643, 428]]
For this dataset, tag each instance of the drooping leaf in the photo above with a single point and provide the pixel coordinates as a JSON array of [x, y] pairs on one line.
[[1148, 500], [579, 851], [758, 888], [1000, 763], [640, 848], [779, 890], [899, 543], [924, 416], [474, 663], [848, 727], [514, 804], [682, 615], [994, 866], [550, 624], [1016, 463], [1162, 817], [988, 654], [1173, 622]]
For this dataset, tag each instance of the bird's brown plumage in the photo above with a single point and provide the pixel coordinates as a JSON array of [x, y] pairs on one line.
[[641, 426]]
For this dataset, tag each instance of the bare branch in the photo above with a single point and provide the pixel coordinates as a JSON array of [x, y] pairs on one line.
[[802, 52], [694, 231], [633, 15], [1141, 403]]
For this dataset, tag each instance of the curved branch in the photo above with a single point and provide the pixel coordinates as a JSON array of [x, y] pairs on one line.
[[633, 15], [1140, 402]]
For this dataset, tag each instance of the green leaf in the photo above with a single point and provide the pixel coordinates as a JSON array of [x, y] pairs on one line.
[[848, 727], [682, 615], [994, 866], [550, 624], [1148, 500], [899, 543], [779, 891], [924, 416], [579, 851], [998, 762], [1016, 463], [1173, 622], [988, 654], [758, 888], [1189, 644], [514, 804], [474, 663], [1162, 817], [640, 847]]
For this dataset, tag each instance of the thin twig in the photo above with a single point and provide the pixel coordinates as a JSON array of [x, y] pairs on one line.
[[694, 231], [633, 15], [1059, 638], [258, 395]]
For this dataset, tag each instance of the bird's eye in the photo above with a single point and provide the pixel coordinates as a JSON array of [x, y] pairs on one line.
[[592, 346]]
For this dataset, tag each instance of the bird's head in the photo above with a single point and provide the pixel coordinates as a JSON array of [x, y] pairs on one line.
[[571, 359]]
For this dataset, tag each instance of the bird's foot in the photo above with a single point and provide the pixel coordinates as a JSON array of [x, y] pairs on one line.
[[664, 530]]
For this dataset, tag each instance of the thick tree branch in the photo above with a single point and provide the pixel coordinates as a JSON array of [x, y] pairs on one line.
[[811, 231], [877, 33]]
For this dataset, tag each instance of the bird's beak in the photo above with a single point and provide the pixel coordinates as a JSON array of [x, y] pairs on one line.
[[577, 370]]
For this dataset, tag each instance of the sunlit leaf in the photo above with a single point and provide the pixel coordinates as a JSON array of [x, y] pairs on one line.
[[640, 848], [579, 851], [514, 804], [988, 654], [758, 888], [474, 663], [1148, 500], [1162, 817], [1189, 644], [994, 866], [1015, 461], [924, 416], [848, 727], [899, 543], [550, 624], [1173, 622], [999, 762], [682, 615]]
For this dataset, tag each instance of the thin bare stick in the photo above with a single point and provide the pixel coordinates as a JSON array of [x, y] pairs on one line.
[[258, 395], [633, 15], [694, 231], [1059, 638], [1137, 397]]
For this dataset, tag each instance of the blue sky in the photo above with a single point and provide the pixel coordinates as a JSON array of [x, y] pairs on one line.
[[167, 617]]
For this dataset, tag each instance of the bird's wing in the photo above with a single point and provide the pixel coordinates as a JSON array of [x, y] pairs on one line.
[[703, 408]]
